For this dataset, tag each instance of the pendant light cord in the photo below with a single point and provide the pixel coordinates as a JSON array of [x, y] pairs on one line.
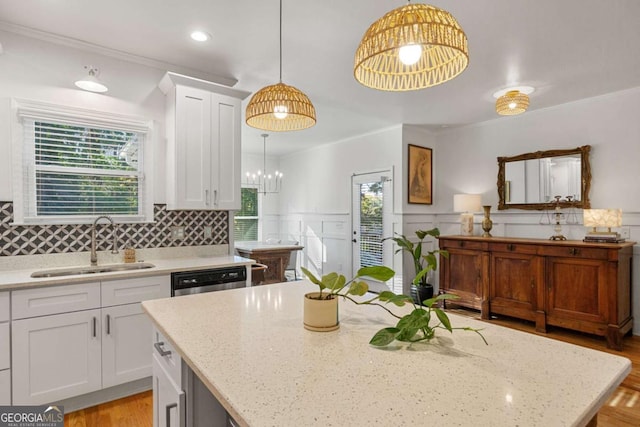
[[280, 41]]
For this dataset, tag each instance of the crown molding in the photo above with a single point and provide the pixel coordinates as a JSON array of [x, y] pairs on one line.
[[113, 53]]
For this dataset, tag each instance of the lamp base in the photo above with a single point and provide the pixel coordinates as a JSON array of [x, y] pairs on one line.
[[466, 224]]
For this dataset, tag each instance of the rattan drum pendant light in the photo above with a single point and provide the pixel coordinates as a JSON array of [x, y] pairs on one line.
[[512, 103], [280, 107], [412, 47]]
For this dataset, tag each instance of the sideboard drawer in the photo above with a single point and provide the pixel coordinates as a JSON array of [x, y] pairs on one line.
[[462, 244], [574, 252], [519, 248]]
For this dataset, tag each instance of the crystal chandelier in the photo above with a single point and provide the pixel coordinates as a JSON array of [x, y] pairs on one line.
[[265, 182]]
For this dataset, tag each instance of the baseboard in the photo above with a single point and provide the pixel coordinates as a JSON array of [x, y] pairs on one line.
[[106, 395]]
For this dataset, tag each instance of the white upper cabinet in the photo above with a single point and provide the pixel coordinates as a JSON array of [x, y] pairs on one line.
[[203, 122]]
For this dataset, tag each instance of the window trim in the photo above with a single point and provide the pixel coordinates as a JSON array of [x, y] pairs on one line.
[[36, 110], [259, 217]]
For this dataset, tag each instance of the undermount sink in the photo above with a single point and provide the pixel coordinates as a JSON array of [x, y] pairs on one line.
[[71, 271]]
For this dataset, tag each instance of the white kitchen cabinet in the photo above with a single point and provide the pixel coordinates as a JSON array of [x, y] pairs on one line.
[[62, 355], [56, 357], [203, 122], [168, 398], [126, 341], [5, 387], [4, 306]]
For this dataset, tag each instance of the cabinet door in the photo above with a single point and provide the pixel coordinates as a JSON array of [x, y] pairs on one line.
[[577, 294], [514, 284], [192, 149], [55, 357], [466, 275], [168, 399], [225, 155], [5, 387], [126, 344]]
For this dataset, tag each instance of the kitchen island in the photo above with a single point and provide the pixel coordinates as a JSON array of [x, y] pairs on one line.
[[250, 350]]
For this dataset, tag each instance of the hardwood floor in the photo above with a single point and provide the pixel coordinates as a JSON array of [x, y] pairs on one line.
[[131, 411], [621, 410]]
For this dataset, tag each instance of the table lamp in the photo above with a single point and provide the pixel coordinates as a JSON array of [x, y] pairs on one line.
[[608, 218], [467, 204]]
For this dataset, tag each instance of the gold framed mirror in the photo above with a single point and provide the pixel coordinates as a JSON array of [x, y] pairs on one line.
[[533, 180]]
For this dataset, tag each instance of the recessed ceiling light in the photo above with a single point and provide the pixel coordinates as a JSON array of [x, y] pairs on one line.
[[200, 36], [527, 90]]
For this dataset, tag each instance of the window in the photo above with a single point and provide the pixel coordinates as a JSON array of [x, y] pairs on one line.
[[246, 221], [74, 168]]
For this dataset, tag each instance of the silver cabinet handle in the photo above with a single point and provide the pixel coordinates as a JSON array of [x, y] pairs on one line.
[[168, 409], [206, 197], [108, 324], [161, 350], [95, 326]]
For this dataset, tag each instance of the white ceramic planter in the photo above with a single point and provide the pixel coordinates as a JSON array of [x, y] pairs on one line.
[[320, 315]]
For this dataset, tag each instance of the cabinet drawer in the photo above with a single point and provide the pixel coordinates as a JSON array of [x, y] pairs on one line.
[[52, 300], [462, 244], [518, 248], [5, 362], [167, 357], [128, 291], [5, 387], [574, 252], [4, 306]]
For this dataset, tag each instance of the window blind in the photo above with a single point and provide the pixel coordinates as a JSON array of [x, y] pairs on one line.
[[83, 170]]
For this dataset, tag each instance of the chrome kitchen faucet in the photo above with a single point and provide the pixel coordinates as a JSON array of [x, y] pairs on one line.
[[114, 249]]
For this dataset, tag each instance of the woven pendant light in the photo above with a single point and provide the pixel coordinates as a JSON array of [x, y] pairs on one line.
[[280, 107], [512, 103], [412, 47]]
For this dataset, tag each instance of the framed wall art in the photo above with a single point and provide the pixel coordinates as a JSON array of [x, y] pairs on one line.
[[420, 175]]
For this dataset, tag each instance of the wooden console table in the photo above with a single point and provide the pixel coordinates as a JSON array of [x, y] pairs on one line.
[[572, 284], [275, 256]]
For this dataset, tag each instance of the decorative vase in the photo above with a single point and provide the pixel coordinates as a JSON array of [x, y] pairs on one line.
[[486, 222], [320, 315]]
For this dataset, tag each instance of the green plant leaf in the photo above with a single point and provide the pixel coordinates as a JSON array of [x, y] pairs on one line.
[[446, 296], [399, 300], [334, 281], [444, 319], [384, 337], [407, 334], [358, 288], [432, 261], [420, 275], [418, 252], [311, 277], [421, 234], [381, 273]]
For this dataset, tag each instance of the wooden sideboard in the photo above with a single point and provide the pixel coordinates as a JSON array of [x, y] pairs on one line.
[[572, 284]]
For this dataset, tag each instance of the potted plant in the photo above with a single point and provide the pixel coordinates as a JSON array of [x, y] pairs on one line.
[[424, 263], [413, 327], [321, 308]]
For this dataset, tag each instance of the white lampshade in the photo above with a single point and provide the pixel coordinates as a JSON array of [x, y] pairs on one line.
[[602, 217], [90, 82], [467, 203]]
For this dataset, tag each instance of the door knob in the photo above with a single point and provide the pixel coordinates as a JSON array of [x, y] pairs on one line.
[[354, 241]]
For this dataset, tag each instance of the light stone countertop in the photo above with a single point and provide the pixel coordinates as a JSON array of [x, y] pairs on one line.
[[250, 349], [165, 262]]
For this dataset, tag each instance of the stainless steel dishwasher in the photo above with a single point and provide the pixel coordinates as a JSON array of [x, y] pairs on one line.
[[216, 279]]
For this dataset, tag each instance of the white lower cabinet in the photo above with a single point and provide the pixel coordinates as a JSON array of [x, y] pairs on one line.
[[169, 403], [62, 355], [56, 357], [5, 387], [126, 341]]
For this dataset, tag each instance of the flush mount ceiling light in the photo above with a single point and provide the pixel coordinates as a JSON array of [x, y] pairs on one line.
[[200, 36], [91, 82], [513, 100], [280, 107], [412, 47]]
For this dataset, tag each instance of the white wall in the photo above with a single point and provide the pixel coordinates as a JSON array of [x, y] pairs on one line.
[[34, 69], [316, 199]]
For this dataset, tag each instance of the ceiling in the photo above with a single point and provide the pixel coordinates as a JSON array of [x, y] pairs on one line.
[[568, 50]]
